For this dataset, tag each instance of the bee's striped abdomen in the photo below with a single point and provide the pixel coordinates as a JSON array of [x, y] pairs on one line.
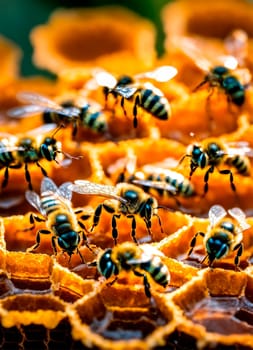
[[157, 270], [241, 163], [154, 104], [50, 204], [6, 157]]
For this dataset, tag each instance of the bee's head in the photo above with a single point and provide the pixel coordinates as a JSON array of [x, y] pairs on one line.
[[106, 266]]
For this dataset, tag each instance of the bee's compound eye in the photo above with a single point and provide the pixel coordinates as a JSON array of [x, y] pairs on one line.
[[220, 70], [131, 196]]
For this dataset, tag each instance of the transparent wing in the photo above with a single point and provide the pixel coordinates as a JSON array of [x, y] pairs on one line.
[[240, 217], [152, 169], [239, 148], [216, 214], [46, 103], [162, 185], [24, 111], [106, 79], [43, 129], [34, 199], [11, 149], [160, 74], [48, 185], [91, 188], [37, 99], [126, 91], [65, 190]]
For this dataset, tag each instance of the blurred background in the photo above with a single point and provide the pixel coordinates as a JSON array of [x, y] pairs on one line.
[[18, 17]]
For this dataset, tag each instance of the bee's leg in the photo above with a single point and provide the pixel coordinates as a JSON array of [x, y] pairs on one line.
[[199, 85], [137, 103], [6, 173], [32, 219], [145, 282], [81, 257], [193, 242], [35, 246], [160, 222], [231, 178], [133, 232], [239, 248], [122, 104], [114, 228], [98, 212], [206, 179], [112, 282], [43, 171], [28, 177], [83, 217], [193, 169], [84, 237], [96, 216]]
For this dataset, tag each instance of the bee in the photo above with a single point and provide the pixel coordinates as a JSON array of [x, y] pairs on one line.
[[16, 152], [156, 178], [223, 236], [124, 199], [225, 75], [143, 94], [87, 115], [54, 204], [211, 153], [141, 260]]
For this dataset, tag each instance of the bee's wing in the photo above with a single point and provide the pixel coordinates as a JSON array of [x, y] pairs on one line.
[[24, 111], [162, 185], [239, 148], [37, 99], [240, 217], [160, 74], [65, 190], [126, 91], [41, 130], [192, 51], [105, 79], [216, 214], [243, 75], [34, 199], [48, 185], [91, 188], [46, 103]]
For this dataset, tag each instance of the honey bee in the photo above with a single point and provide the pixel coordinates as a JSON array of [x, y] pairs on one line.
[[223, 236], [211, 153], [87, 115], [125, 199], [16, 152], [143, 94], [140, 260], [225, 75], [54, 204], [156, 178]]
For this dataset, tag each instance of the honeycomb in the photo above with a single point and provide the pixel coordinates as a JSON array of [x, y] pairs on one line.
[[54, 300]]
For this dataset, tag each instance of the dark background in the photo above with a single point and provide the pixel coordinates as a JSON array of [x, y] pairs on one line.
[[18, 17]]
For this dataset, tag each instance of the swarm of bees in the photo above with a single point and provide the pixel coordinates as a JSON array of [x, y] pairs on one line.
[[137, 190]]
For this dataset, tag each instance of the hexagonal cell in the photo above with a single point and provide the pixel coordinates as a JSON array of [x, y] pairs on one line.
[[217, 307], [119, 317]]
